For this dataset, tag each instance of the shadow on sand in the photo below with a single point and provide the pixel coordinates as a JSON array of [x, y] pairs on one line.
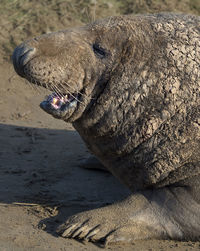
[[40, 168]]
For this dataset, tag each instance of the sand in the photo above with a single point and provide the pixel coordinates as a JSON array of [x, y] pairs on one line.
[[41, 183]]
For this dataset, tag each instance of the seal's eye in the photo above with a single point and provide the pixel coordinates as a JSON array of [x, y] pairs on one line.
[[99, 51]]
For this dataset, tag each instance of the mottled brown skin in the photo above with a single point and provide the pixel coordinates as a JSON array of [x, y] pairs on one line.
[[139, 114]]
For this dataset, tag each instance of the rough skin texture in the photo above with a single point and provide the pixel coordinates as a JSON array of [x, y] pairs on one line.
[[139, 114], [145, 126]]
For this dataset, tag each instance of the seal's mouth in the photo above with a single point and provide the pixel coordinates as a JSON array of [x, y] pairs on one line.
[[63, 102], [60, 106]]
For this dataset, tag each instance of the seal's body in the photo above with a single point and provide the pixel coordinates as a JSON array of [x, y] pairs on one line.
[[130, 86]]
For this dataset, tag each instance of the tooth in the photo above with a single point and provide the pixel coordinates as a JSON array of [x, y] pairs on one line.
[[54, 101]]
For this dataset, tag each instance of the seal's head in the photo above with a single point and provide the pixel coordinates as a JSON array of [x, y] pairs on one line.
[[74, 64]]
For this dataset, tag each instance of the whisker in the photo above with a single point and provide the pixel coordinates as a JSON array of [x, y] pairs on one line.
[[73, 89], [57, 87], [32, 86], [75, 98], [82, 94], [78, 92], [70, 95], [57, 91], [37, 85]]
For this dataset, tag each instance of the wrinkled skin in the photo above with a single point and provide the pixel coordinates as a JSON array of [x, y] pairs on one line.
[[137, 108]]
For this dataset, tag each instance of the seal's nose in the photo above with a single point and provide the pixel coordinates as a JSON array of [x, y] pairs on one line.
[[21, 56]]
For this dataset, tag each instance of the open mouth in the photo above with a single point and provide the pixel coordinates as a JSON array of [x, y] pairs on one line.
[[60, 106], [59, 102]]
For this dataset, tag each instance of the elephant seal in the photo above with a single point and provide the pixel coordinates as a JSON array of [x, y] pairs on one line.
[[130, 86]]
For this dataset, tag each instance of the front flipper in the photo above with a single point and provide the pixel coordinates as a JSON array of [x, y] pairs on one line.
[[140, 216]]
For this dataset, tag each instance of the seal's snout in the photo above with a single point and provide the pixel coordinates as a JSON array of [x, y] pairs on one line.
[[21, 56]]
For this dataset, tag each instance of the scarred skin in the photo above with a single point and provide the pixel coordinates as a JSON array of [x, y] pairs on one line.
[[138, 79]]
